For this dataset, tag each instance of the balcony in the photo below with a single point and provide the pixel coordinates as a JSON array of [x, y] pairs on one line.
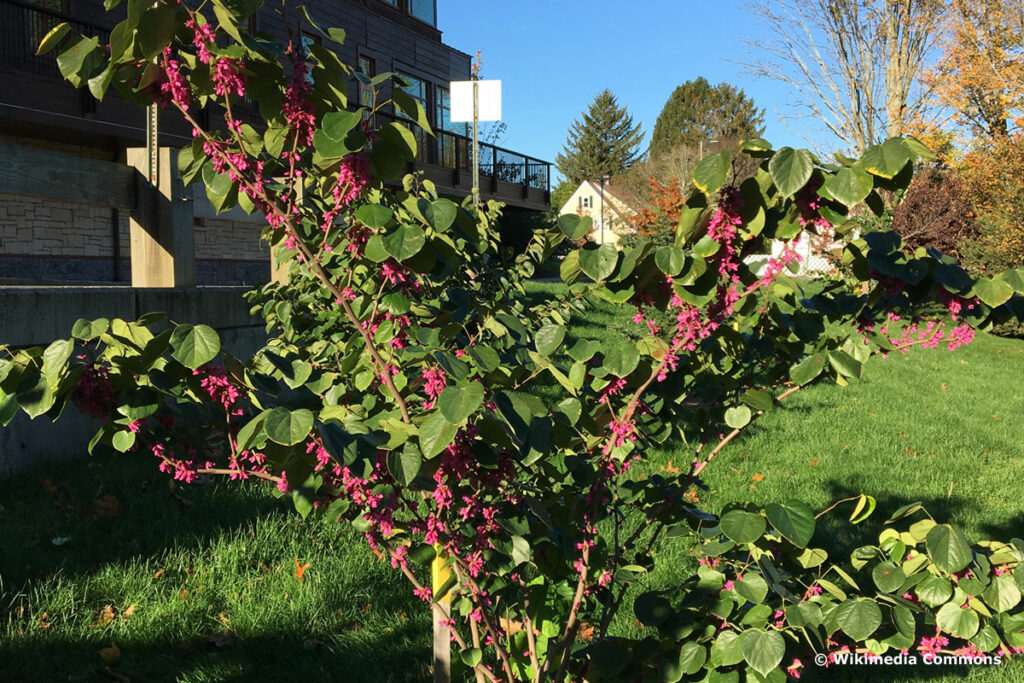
[[35, 89]]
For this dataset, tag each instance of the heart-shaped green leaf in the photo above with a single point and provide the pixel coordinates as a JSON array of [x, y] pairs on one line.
[[194, 345], [460, 401], [288, 427]]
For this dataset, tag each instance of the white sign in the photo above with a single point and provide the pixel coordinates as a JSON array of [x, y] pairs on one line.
[[489, 101]]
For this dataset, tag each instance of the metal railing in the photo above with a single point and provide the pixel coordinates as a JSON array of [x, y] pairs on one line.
[[455, 151], [24, 26]]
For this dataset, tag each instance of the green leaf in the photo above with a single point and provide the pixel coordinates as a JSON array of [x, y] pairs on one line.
[[652, 609], [411, 107], [794, 520], [858, 618], [79, 62], [374, 216], [155, 30], [763, 650], [53, 38], [962, 623], [1002, 594], [752, 587], [887, 159], [670, 260], [405, 464], [400, 138], [706, 246], [598, 262], [471, 657], [948, 548], [758, 400], [89, 329], [460, 401], [727, 649], [252, 433], [405, 242], [194, 345], [710, 173], [790, 169], [738, 417], [692, 657], [849, 186], [888, 577], [435, 434], [992, 291], [812, 557], [288, 427], [808, 369], [123, 440], [934, 590], [549, 338], [844, 364], [743, 527], [575, 227], [620, 356], [54, 358], [338, 124], [441, 214]]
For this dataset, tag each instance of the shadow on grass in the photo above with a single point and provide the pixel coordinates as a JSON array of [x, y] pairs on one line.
[[402, 655]]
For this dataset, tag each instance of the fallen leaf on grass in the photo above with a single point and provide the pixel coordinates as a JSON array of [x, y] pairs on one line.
[[814, 462], [130, 610], [158, 574], [758, 477], [107, 507], [182, 593], [945, 386], [670, 468], [586, 632], [105, 616], [110, 654], [300, 570], [223, 619], [43, 623]]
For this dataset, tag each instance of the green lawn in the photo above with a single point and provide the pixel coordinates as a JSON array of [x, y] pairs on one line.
[[200, 580]]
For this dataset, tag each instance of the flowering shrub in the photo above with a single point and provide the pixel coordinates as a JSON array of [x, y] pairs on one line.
[[408, 391]]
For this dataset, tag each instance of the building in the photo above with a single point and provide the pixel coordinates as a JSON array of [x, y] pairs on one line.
[[611, 215], [44, 239]]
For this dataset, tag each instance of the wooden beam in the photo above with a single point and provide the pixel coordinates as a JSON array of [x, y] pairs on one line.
[[33, 172], [162, 227]]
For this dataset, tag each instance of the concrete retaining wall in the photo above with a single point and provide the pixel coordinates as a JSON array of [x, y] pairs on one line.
[[37, 315]]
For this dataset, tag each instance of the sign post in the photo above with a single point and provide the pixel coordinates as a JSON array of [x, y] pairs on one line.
[[475, 101]]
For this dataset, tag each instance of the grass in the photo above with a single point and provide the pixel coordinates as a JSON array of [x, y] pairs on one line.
[[199, 583]]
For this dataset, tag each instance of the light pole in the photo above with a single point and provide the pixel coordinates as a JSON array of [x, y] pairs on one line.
[[700, 154], [604, 179]]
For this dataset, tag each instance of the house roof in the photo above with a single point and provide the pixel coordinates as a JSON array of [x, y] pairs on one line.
[[614, 203]]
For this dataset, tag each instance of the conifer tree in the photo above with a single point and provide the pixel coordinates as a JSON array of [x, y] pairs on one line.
[[697, 112], [604, 142]]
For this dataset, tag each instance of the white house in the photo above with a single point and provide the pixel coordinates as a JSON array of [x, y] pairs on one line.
[[610, 214]]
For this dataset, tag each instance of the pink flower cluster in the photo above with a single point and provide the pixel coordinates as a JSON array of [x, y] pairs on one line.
[[218, 386], [95, 394], [228, 76]]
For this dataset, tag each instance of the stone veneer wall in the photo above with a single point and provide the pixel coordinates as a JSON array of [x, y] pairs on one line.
[[52, 241]]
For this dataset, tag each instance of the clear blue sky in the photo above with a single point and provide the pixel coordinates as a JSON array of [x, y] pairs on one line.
[[553, 56]]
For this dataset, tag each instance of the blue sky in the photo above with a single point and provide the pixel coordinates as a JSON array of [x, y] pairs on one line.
[[554, 56]]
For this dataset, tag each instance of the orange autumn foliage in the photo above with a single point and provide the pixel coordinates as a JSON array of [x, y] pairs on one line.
[[662, 214]]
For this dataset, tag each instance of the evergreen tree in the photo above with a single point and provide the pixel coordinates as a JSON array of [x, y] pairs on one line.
[[605, 142], [697, 112]]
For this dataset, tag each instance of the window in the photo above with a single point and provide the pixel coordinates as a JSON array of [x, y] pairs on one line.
[[368, 67], [419, 90], [586, 202], [423, 10], [393, 3]]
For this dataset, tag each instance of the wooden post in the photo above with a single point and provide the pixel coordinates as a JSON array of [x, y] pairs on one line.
[[162, 224], [440, 574]]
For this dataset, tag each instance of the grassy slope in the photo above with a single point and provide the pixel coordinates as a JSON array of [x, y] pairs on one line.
[[937, 427]]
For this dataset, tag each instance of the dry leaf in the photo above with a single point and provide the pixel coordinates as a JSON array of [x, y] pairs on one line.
[[223, 618], [945, 386], [182, 593], [107, 507], [758, 477], [586, 632], [670, 468], [106, 616], [43, 623], [814, 462], [158, 574], [128, 612], [111, 654], [300, 570], [513, 627]]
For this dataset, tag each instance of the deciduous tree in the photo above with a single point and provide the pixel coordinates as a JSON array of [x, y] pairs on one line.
[[854, 64]]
